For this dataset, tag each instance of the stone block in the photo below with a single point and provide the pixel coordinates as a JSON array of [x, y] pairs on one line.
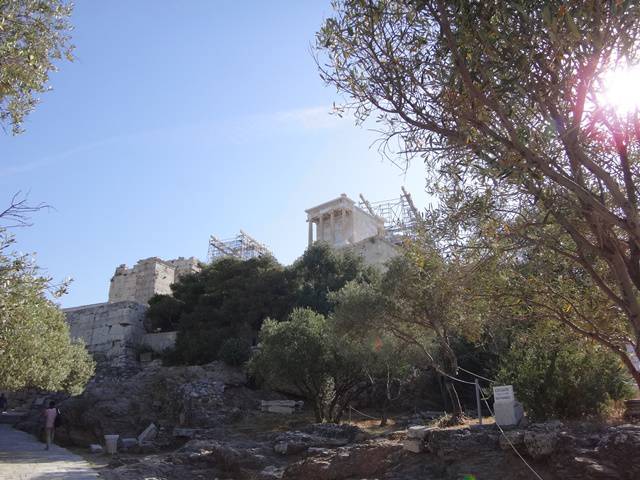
[[513, 439], [414, 445], [508, 413], [95, 448], [417, 432], [281, 410], [281, 448], [286, 407], [148, 434], [127, 443], [148, 277], [184, 432], [282, 403], [540, 444], [160, 341], [111, 331], [272, 472]]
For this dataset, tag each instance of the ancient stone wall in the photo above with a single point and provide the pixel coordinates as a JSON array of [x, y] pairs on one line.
[[111, 331], [375, 251], [185, 266], [148, 277], [365, 225], [159, 342]]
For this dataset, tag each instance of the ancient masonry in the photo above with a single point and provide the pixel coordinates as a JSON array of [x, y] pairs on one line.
[[149, 277], [114, 332], [343, 224]]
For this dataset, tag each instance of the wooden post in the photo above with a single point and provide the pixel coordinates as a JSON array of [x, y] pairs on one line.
[[478, 404]]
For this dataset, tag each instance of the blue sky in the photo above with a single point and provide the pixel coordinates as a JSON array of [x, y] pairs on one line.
[[179, 120]]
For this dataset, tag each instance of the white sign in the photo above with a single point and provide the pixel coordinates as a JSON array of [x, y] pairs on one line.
[[503, 394]]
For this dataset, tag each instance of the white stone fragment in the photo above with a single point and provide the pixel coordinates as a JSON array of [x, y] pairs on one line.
[[417, 432], [414, 445], [149, 433]]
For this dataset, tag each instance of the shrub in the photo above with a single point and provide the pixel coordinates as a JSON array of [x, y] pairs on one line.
[[234, 352], [556, 375], [164, 313], [36, 350]]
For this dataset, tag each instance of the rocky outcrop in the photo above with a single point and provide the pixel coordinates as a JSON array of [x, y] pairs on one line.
[[317, 452], [554, 451], [194, 396], [195, 410], [357, 461], [320, 435]]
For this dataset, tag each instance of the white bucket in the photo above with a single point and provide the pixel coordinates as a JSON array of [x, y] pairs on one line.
[[111, 442]]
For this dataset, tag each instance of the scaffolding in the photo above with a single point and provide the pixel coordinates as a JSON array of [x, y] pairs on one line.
[[242, 246], [399, 214]]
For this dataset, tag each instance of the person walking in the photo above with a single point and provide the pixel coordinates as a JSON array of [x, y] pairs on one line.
[[3, 403], [50, 415]]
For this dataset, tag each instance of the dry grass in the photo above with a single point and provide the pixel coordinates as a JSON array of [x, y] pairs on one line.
[[273, 422]]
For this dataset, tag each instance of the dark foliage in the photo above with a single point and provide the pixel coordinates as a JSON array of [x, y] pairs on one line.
[[322, 270]]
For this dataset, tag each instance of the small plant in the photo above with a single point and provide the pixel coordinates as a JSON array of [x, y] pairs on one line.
[[234, 352], [449, 420]]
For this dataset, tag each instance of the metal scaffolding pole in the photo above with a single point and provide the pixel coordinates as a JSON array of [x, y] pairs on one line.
[[242, 246]]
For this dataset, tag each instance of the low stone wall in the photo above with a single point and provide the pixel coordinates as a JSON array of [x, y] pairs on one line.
[[159, 342], [375, 251], [111, 331]]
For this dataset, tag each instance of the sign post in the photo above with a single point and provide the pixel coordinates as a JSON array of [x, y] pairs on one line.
[[478, 404]]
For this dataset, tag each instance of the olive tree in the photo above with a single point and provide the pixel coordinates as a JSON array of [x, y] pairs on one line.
[[425, 301], [503, 102], [305, 354], [34, 34], [36, 350]]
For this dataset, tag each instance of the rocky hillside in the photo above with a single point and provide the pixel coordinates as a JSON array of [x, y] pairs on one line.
[[196, 396], [209, 425], [320, 452]]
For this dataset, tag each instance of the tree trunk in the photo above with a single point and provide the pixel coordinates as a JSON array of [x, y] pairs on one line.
[[443, 393], [455, 401], [631, 368], [384, 417], [317, 411]]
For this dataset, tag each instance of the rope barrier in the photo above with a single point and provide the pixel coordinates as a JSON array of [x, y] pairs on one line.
[[364, 414], [457, 379], [537, 475], [493, 415], [476, 375], [510, 443]]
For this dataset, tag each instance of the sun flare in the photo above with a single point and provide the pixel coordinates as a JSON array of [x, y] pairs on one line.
[[621, 90]]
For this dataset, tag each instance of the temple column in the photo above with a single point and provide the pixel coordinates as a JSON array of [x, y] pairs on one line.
[[332, 221], [310, 231], [350, 229], [320, 234]]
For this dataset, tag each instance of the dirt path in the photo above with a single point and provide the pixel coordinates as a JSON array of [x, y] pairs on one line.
[[23, 457]]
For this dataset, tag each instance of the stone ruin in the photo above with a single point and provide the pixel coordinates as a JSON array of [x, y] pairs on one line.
[[114, 331], [149, 277], [343, 224]]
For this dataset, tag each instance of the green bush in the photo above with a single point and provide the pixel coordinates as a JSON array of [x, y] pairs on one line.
[[200, 338], [556, 375], [234, 352], [164, 313], [228, 299], [36, 350]]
